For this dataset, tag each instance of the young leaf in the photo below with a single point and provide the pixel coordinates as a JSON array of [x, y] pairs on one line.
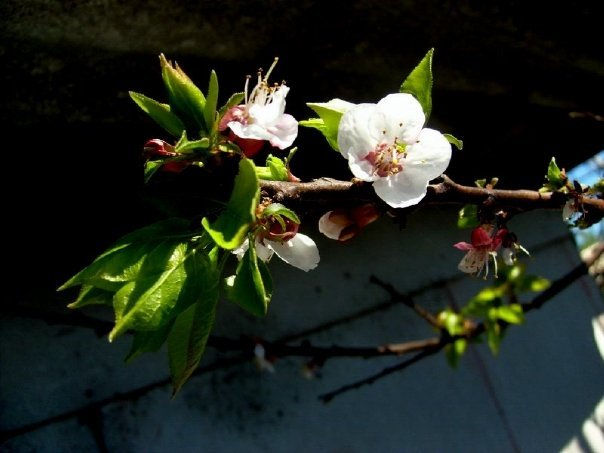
[[186, 99], [230, 228], [511, 313], [149, 302], [189, 335], [89, 295], [275, 170], [151, 168], [280, 210], [234, 100], [554, 174], [252, 286], [209, 111], [160, 113], [454, 141], [330, 113], [186, 145], [533, 283], [468, 217], [147, 341], [455, 351], [419, 83], [493, 336]]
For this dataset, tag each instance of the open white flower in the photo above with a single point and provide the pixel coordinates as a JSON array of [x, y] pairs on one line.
[[385, 143], [263, 116], [300, 251]]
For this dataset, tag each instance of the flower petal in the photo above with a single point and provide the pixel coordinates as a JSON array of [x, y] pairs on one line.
[[300, 251], [263, 251], [361, 168], [474, 261], [430, 154], [240, 251], [254, 131], [329, 228], [354, 134], [401, 190], [284, 132], [401, 116], [463, 246]]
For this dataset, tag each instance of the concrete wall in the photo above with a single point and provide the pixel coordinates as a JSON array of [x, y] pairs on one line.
[[535, 396]]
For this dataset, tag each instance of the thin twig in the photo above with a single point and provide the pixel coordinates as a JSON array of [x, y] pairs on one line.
[[556, 287], [407, 301]]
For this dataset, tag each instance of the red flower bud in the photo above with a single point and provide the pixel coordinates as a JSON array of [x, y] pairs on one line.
[[157, 148], [365, 214]]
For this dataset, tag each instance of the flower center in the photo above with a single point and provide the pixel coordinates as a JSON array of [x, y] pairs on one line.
[[387, 159], [262, 94]]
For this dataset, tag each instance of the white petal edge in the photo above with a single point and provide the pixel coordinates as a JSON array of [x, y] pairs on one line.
[[354, 135], [430, 154], [284, 132], [254, 131], [401, 190], [401, 116], [300, 251], [330, 229]]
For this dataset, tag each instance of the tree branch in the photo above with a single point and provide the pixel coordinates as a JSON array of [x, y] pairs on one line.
[[328, 193], [557, 287]]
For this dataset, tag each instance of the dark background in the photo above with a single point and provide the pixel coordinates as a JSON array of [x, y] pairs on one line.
[[508, 79]]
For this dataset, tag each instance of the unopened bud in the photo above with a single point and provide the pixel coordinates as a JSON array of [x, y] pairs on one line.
[[157, 148]]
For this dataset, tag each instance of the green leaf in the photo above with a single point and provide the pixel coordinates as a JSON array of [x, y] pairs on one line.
[[468, 217], [230, 228], [209, 111], [277, 209], [554, 174], [150, 301], [185, 145], [330, 113], [189, 335], [132, 255], [452, 322], [455, 351], [454, 141], [233, 101], [275, 170], [494, 336], [481, 183], [89, 295], [512, 313], [151, 168], [419, 83], [252, 285], [186, 99], [160, 113], [147, 341], [533, 283]]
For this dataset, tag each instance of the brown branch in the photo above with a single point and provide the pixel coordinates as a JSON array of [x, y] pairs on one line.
[[557, 287], [330, 193]]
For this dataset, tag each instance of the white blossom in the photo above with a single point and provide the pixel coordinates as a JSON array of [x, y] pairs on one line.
[[385, 144]]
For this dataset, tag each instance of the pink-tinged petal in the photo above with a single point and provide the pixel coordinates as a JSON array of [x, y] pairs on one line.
[[474, 261], [463, 246], [284, 132], [401, 116], [362, 168], [236, 113], [430, 154], [480, 237], [300, 251], [249, 131], [401, 190], [354, 134], [330, 228]]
